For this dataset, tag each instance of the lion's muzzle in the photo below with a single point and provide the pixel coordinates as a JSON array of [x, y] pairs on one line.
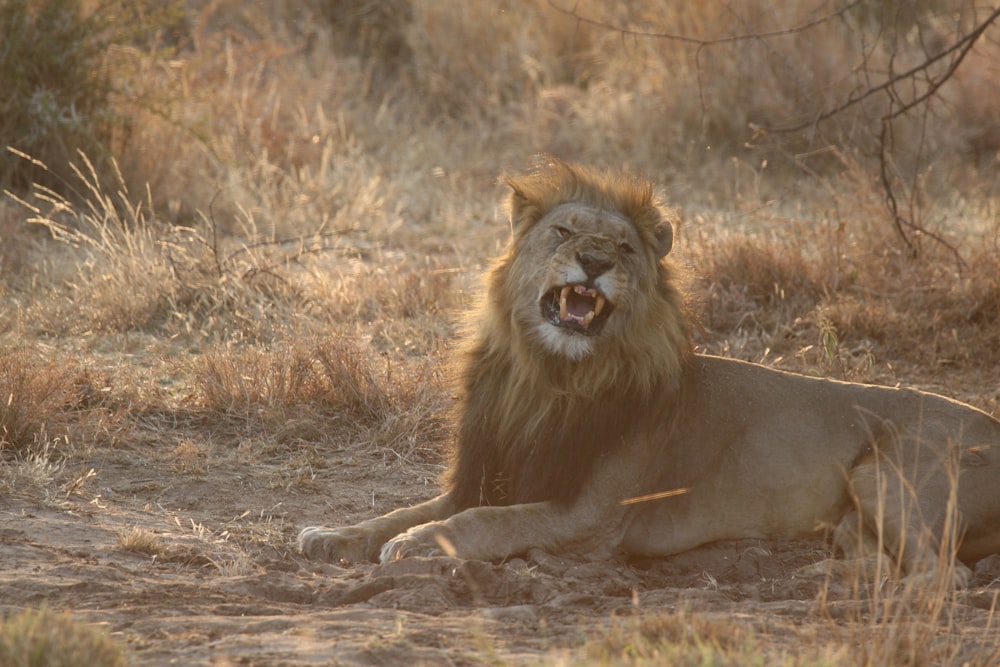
[[576, 307]]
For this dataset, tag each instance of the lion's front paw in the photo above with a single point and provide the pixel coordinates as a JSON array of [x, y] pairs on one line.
[[351, 544], [427, 541]]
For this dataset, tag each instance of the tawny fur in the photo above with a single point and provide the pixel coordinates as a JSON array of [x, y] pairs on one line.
[[594, 435]]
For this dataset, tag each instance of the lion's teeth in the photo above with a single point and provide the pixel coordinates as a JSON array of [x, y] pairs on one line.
[[563, 307], [600, 305], [588, 319]]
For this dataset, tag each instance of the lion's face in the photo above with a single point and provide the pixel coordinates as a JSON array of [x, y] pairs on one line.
[[578, 270]]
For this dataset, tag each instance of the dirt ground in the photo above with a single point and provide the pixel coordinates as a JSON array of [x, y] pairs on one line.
[[222, 585]]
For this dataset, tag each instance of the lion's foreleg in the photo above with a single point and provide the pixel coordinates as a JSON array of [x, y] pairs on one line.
[[495, 533], [364, 540], [591, 527]]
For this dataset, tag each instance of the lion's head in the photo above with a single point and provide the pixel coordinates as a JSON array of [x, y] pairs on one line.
[[584, 276], [581, 329], [585, 254]]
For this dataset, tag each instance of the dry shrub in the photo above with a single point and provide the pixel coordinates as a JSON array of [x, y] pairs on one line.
[[260, 102], [133, 272], [56, 95], [140, 541], [657, 102], [251, 95], [38, 399], [66, 89], [751, 283], [328, 392], [927, 311], [49, 400], [477, 59], [765, 297], [125, 269], [403, 309], [37, 637]]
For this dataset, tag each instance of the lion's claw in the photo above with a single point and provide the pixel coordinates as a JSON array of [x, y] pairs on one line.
[[422, 541]]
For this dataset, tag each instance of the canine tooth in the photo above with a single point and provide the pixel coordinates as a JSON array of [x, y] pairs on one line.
[[563, 308], [600, 305], [588, 319]]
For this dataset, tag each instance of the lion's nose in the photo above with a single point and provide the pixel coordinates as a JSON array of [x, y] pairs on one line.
[[594, 265]]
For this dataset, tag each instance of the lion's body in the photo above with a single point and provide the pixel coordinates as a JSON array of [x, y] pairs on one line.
[[583, 408]]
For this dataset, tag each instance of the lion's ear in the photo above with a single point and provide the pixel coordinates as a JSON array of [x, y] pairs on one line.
[[517, 202], [524, 212], [663, 232]]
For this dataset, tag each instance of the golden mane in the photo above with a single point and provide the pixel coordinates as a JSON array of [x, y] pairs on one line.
[[532, 424], [553, 182]]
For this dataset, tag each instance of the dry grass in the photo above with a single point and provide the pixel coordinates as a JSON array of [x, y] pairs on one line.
[[269, 259], [766, 297], [685, 638], [35, 400], [36, 637], [52, 402], [141, 541], [328, 393], [912, 620]]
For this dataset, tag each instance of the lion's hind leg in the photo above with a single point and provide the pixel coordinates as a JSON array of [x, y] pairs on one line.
[[911, 517], [856, 549]]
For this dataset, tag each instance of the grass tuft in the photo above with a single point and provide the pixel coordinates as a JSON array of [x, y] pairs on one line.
[[340, 392], [36, 400], [141, 541], [690, 639], [45, 638]]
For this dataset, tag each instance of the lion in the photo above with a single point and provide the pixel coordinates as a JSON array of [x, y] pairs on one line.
[[588, 427]]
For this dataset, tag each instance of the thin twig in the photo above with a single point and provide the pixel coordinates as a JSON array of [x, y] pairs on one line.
[[697, 41], [962, 46], [897, 105], [214, 247]]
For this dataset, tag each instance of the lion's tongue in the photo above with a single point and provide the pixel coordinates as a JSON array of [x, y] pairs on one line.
[[580, 304]]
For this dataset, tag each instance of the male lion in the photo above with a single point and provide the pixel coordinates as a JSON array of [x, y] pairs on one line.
[[588, 427]]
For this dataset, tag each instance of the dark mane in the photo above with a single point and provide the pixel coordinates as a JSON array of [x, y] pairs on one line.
[[532, 426], [551, 456]]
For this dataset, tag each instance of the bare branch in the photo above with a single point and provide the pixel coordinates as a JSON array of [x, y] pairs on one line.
[[686, 39], [962, 47], [923, 87]]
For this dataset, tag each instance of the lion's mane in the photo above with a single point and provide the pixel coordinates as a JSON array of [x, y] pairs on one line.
[[532, 425]]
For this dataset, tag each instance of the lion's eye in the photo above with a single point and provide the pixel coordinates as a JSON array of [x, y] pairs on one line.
[[626, 248], [563, 232]]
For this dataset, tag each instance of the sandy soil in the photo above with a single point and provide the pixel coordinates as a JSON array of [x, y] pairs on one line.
[[223, 586]]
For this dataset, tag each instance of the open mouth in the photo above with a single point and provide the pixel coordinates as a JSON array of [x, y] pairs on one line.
[[576, 307]]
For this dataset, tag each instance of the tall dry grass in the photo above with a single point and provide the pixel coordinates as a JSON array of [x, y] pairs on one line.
[[122, 268], [781, 297], [274, 109], [61, 406], [328, 393]]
